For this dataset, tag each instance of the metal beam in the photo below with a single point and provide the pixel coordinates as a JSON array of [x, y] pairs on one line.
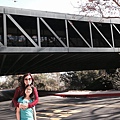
[[2, 62], [22, 30], [79, 33], [25, 63], [16, 61], [38, 31], [91, 38], [116, 29], [53, 32], [5, 29], [111, 26], [102, 35], [55, 49], [66, 28]]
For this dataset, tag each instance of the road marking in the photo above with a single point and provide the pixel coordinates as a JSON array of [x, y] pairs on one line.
[[59, 112], [65, 115], [55, 118]]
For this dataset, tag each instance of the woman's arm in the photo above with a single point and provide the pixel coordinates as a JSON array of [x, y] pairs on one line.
[[18, 113], [16, 96], [32, 104]]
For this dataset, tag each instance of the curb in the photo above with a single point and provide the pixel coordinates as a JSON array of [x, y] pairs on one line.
[[84, 95]]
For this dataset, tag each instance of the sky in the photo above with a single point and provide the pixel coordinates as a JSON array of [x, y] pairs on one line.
[[2, 78], [96, 8], [62, 6]]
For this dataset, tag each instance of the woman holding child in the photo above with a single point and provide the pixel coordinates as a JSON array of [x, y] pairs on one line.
[[26, 80]]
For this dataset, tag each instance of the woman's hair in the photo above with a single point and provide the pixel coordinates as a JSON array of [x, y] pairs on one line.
[[32, 94], [22, 82]]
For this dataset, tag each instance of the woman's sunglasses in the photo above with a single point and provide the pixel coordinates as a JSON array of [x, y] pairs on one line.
[[28, 79]]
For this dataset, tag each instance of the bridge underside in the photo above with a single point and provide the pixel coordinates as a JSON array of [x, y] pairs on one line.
[[40, 41], [51, 62]]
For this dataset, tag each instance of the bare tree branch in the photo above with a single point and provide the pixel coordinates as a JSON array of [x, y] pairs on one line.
[[100, 8], [116, 1]]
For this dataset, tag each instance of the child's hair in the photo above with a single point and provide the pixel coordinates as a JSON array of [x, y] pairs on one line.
[[32, 94]]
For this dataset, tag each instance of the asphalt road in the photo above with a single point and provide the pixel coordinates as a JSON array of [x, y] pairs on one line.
[[59, 108]]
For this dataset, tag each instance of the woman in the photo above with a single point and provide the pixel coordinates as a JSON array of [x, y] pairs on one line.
[[30, 113], [26, 80]]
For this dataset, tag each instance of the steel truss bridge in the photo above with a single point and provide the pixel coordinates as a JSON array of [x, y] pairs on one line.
[[41, 41]]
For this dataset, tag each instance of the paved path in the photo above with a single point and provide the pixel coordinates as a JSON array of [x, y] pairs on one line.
[[63, 108]]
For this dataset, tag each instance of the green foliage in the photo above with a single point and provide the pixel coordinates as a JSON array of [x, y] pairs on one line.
[[73, 80], [46, 81], [88, 80], [100, 84], [10, 82]]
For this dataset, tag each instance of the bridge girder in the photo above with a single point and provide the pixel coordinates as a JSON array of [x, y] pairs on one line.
[[28, 35]]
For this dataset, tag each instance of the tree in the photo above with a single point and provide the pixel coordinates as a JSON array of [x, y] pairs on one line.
[[88, 80], [98, 8]]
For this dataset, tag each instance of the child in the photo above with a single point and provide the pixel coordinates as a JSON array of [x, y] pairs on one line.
[[29, 113]]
